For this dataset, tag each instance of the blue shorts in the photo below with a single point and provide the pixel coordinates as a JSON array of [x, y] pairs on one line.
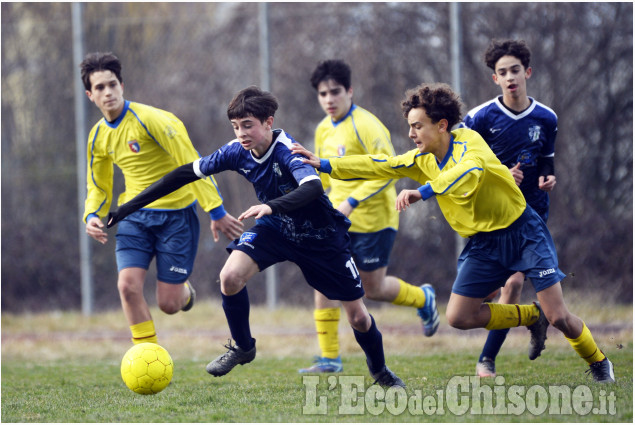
[[171, 236], [372, 250], [489, 258], [327, 265]]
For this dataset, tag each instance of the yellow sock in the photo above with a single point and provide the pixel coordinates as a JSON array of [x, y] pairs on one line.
[[144, 332], [586, 347], [409, 295], [504, 316], [327, 322]]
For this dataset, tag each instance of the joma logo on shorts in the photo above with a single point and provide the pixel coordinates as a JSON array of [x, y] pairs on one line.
[[546, 272], [178, 270]]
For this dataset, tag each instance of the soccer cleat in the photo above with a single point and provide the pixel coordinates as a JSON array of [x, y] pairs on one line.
[[235, 355], [386, 378], [486, 368], [190, 302], [429, 313], [602, 371], [538, 334], [324, 365]]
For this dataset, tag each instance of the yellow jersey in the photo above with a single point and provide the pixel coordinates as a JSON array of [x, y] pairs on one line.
[[475, 192], [359, 133], [145, 143]]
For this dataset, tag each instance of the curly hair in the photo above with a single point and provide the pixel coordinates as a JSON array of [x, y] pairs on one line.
[[438, 100]]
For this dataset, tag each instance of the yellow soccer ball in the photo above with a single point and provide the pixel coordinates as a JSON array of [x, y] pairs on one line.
[[147, 368]]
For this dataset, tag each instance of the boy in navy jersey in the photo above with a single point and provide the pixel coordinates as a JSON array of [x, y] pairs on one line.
[[295, 222], [522, 134]]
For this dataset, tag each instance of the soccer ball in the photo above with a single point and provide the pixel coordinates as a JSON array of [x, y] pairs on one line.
[[147, 368]]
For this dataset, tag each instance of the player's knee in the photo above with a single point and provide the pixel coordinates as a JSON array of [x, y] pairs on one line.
[[231, 281], [360, 321], [170, 306], [559, 320], [456, 320], [128, 288]]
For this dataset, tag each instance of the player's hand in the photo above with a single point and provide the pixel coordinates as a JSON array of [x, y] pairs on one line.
[[256, 211], [517, 173], [312, 159], [94, 228], [345, 208], [407, 197], [228, 226], [546, 183]]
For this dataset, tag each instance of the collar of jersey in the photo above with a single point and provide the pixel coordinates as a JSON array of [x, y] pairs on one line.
[[278, 135], [448, 155], [348, 114], [115, 123]]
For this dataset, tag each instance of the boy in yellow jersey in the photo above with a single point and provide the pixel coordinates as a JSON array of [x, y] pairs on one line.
[[349, 129], [480, 200], [145, 143]]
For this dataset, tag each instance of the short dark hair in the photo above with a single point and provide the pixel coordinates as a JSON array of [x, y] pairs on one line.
[[499, 48], [332, 69], [99, 61], [252, 101], [439, 101]]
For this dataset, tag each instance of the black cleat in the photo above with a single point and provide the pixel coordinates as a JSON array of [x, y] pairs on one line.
[[190, 302], [235, 355], [602, 371], [386, 378], [538, 334]]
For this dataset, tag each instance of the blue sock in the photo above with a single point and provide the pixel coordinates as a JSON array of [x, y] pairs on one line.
[[372, 344], [493, 344], [237, 312]]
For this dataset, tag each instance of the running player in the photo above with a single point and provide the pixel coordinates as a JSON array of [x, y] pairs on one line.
[[295, 222], [348, 129]]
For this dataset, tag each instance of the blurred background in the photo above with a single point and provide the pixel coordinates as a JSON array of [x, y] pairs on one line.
[[190, 58]]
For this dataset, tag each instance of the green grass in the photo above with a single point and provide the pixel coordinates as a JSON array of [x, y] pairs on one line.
[[270, 390], [65, 368]]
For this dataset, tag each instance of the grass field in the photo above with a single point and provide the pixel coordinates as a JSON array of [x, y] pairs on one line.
[[63, 367]]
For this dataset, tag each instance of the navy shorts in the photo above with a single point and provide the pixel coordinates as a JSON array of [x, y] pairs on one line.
[[372, 250], [170, 236], [489, 258], [327, 265]]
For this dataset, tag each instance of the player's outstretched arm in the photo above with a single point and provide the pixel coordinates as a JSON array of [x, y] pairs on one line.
[[167, 184]]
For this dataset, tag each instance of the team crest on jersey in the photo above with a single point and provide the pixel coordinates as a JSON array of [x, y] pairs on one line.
[[341, 150], [134, 146], [276, 169], [169, 131], [534, 133]]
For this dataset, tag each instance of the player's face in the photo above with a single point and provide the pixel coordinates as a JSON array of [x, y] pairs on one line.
[[253, 134], [426, 134], [106, 92], [334, 99], [511, 76]]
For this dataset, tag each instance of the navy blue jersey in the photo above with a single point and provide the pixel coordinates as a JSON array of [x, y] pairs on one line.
[[515, 138], [275, 174]]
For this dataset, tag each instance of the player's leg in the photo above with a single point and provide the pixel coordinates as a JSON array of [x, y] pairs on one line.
[[130, 285], [510, 294], [134, 252], [327, 319], [372, 254], [576, 332], [238, 269], [370, 340], [177, 234]]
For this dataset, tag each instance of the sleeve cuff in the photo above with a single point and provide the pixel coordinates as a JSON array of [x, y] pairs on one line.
[[218, 212], [91, 215], [354, 202], [325, 166], [426, 191]]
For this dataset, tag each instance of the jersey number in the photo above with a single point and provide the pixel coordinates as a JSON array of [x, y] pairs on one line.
[[350, 264]]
